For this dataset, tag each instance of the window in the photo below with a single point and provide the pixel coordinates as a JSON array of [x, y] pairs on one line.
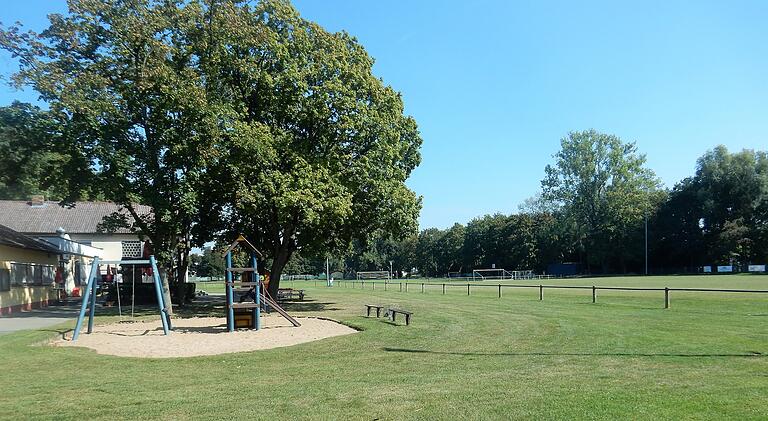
[[5, 280], [49, 275], [20, 275], [37, 274], [131, 248], [28, 274]]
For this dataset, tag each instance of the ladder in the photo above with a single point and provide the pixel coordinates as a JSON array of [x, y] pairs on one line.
[[260, 295]]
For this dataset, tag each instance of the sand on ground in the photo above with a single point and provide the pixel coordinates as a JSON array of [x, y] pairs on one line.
[[201, 336]]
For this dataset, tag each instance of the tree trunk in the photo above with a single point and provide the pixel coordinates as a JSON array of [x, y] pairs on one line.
[[278, 264], [181, 277], [166, 288]]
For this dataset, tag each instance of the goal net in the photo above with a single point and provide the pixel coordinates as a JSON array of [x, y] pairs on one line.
[[490, 274], [522, 274], [494, 274], [376, 274]]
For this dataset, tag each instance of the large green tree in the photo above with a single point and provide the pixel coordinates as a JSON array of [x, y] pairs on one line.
[[321, 148], [603, 190], [718, 216], [28, 163], [427, 254], [733, 192], [678, 242], [226, 116], [124, 83]]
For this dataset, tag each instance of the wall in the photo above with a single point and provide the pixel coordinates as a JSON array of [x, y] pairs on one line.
[[110, 243], [24, 298], [14, 254]]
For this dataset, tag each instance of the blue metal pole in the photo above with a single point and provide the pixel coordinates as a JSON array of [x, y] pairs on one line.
[[92, 309], [257, 289], [164, 316], [230, 295], [88, 288]]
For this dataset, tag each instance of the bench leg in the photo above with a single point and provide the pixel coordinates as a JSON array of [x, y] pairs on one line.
[[407, 319], [367, 312], [378, 312], [393, 316]]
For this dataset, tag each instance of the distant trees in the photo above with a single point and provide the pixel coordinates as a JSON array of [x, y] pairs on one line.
[[719, 214], [209, 263], [592, 208]]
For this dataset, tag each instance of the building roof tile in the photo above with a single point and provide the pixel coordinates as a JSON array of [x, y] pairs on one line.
[[46, 217]]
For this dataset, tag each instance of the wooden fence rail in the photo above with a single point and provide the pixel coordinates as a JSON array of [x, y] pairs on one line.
[[542, 287]]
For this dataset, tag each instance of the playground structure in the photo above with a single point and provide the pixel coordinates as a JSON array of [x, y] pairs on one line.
[[486, 274], [247, 313], [89, 295]]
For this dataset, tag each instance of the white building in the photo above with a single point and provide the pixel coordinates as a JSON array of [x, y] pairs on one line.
[[75, 231]]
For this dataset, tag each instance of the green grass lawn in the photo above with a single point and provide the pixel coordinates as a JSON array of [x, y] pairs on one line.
[[476, 357]]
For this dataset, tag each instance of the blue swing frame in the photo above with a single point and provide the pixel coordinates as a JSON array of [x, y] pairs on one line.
[[89, 295]]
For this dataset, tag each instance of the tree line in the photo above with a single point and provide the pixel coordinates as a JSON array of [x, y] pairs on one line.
[[592, 210]]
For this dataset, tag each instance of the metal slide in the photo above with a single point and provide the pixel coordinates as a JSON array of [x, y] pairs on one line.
[[279, 309]]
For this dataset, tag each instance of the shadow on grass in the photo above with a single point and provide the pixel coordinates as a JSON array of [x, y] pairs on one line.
[[391, 323], [307, 306], [61, 332], [750, 354]]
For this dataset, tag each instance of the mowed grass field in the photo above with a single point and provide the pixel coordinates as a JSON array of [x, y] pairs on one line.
[[463, 357]]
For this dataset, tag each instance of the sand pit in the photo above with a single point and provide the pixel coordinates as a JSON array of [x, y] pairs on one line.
[[201, 336]]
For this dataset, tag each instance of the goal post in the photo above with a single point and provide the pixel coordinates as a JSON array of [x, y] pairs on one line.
[[488, 274], [374, 274], [500, 274]]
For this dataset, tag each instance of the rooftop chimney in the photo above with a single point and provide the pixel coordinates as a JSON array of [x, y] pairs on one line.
[[36, 200]]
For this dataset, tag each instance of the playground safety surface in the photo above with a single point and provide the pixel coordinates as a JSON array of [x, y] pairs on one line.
[[201, 336]]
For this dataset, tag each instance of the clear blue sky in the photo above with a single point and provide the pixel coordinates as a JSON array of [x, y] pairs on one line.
[[494, 85]]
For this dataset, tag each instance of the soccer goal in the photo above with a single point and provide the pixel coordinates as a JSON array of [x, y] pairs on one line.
[[376, 274], [495, 274], [490, 274]]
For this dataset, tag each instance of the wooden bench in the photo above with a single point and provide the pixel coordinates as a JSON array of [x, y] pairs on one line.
[[368, 308], [289, 294], [393, 311]]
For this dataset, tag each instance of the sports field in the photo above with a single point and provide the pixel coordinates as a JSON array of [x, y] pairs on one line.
[[474, 357]]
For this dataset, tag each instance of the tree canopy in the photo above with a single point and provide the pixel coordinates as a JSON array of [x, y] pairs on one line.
[[224, 117], [320, 149], [27, 161], [603, 190]]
